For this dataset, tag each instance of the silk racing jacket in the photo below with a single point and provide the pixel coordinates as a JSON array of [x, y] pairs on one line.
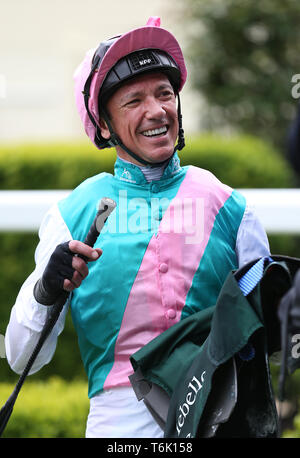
[[167, 250]]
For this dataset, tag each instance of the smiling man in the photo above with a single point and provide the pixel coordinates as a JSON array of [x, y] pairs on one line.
[[182, 230]]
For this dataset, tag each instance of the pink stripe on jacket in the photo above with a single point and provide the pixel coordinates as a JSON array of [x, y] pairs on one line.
[[169, 264]]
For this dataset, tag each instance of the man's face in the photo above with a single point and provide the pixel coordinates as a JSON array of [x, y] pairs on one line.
[[144, 115]]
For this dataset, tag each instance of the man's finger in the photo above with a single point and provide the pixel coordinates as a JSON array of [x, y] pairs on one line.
[[80, 266], [68, 285], [77, 279], [81, 248]]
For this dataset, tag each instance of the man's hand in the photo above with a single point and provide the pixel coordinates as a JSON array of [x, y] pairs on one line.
[[65, 270], [78, 264]]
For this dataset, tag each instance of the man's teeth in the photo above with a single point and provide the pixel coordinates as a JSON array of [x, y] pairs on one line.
[[150, 133]]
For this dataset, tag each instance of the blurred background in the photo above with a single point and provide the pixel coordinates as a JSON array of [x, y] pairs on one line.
[[240, 113], [43, 42]]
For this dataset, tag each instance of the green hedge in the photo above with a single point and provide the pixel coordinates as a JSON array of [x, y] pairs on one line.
[[51, 166], [293, 433], [53, 409], [239, 162]]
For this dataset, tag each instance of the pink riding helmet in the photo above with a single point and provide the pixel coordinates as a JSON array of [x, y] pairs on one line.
[[151, 36]]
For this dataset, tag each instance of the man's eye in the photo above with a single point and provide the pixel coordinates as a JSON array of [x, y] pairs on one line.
[[133, 101], [167, 94]]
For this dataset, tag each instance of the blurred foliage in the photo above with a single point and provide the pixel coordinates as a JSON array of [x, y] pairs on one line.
[[53, 409], [295, 432], [289, 418], [242, 56], [51, 165], [239, 161]]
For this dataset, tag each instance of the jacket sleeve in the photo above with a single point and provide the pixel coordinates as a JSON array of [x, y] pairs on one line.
[[252, 241], [28, 316]]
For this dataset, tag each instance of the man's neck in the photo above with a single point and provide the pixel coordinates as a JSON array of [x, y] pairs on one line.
[[150, 173]]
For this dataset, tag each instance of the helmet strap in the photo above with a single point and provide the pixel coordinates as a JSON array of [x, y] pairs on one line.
[[181, 140]]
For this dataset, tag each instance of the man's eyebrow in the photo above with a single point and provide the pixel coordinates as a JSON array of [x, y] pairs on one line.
[[130, 95], [135, 94], [164, 86]]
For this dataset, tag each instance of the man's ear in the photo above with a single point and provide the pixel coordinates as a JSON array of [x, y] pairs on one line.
[[104, 129]]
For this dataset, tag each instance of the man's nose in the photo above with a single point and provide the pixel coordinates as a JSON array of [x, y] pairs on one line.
[[154, 108]]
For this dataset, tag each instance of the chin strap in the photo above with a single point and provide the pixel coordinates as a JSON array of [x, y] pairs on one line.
[[116, 141], [181, 141]]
